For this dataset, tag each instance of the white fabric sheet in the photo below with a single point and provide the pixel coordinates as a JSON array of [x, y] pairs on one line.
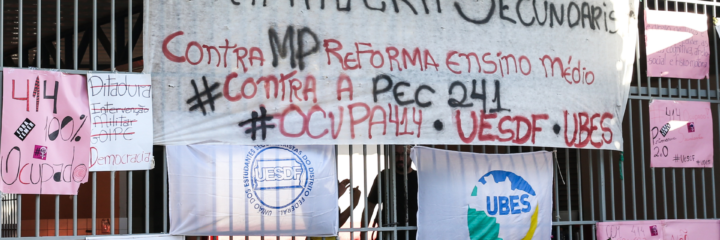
[[252, 190]]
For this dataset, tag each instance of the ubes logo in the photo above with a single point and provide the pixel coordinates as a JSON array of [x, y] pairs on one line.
[[506, 206], [277, 179]]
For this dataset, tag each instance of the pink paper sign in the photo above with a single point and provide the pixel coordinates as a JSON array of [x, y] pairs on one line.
[[630, 230], [45, 133], [691, 229], [676, 44], [681, 134]]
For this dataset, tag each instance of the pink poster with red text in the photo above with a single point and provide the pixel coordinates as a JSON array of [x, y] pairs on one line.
[[681, 134], [45, 133]]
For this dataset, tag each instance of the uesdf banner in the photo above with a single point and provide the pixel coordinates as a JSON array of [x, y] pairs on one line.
[[275, 190], [554, 73], [470, 196]]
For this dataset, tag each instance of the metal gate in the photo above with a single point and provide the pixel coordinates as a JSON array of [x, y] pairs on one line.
[[78, 36]]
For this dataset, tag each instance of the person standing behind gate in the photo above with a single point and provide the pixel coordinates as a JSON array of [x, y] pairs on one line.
[[344, 215], [406, 206]]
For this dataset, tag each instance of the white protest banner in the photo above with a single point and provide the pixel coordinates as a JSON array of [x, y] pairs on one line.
[[472, 196], [516, 72], [282, 190], [121, 120]]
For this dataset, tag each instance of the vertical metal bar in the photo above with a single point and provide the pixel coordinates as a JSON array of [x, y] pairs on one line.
[[405, 188], [704, 196], [112, 202], [717, 78], [19, 213], [694, 193], [147, 201], [380, 195], [674, 188], [393, 191], [580, 195], [350, 152], [601, 181], [592, 186], [642, 164], [38, 36], [2, 196], [664, 192], [612, 185], [165, 192], [57, 215], [75, 227], [57, 35], [37, 215], [365, 189], [20, 35], [94, 203], [130, 42], [112, 35], [75, 35], [130, 202], [569, 187], [556, 190], [632, 161], [94, 45]]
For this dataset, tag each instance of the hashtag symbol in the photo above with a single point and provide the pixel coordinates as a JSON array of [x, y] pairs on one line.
[[198, 96], [676, 158], [253, 121]]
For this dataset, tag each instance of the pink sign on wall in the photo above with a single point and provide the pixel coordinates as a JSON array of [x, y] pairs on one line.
[[681, 134], [659, 230], [677, 44], [647, 230], [691, 229], [45, 133]]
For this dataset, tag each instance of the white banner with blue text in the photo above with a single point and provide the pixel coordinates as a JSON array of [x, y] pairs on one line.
[[273, 190]]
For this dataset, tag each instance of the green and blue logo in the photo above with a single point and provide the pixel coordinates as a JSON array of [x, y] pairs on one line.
[[502, 206]]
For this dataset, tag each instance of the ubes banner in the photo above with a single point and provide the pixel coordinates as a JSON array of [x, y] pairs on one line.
[[470, 196], [336, 72], [45, 132]]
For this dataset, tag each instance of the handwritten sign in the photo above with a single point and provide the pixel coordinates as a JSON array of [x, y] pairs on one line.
[[45, 132], [677, 44], [121, 120], [630, 230], [691, 229], [681, 134], [659, 229], [348, 72]]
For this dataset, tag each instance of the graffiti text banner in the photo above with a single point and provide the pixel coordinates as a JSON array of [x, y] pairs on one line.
[[514, 72]]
